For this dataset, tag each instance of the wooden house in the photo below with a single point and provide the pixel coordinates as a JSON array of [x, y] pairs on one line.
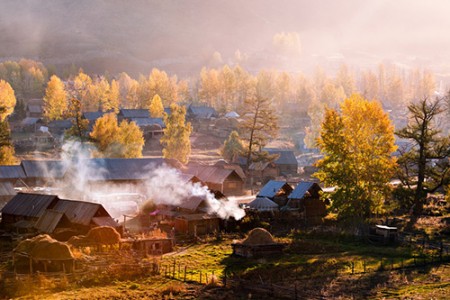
[[75, 216], [34, 108], [277, 191], [286, 162], [218, 178], [262, 172], [24, 209], [92, 117], [201, 117], [305, 198], [58, 127]]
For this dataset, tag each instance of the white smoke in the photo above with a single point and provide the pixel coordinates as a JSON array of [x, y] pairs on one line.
[[164, 185]]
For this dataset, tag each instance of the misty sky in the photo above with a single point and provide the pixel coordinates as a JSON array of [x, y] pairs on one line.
[[141, 32]]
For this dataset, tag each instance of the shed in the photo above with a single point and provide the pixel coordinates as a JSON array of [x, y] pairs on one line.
[[306, 198], [276, 191]]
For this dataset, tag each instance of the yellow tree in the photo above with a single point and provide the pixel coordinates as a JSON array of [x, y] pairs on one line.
[[55, 99], [81, 87], [175, 140], [105, 132], [131, 140], [156, 107], [113, 101], [357, 145], [7, 100]]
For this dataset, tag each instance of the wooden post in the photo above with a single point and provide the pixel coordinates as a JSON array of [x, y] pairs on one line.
[[364, 266], [200, 276], [212, 277], [185, 273], [31, 265], [353, 267], [173, 273], [179, 271], [225, 279]]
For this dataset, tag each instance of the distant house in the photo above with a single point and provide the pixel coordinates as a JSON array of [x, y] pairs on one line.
[[130, 114], [306, 199], [218, 178], [201, 117], [92, 117], [263, 171], [151, 127], [34, 108], [58, 127], [29, 124], [286, 162], [277, 191]]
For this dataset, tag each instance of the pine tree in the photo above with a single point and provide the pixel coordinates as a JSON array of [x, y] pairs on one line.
[[175, 140]]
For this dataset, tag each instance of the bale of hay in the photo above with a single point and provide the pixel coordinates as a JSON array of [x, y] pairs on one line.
[[43, 247], [258, 236], [105, 235]]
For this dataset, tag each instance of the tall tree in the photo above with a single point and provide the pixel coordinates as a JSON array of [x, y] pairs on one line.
[[156, 107], [232, 147], [131, 139], [6, 148], [80, 126], [258, 126], [175, 140], [55, 99], [425, 164], [105, 133], [357, 145], [7, 100]]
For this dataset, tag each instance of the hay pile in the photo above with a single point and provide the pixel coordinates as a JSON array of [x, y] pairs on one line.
[[43, 247], [258, 236], [104, 235]]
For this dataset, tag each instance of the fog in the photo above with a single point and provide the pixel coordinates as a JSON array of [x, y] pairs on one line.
[[181, 36]]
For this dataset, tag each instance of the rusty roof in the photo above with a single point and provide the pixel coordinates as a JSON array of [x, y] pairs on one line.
[[29, 205]]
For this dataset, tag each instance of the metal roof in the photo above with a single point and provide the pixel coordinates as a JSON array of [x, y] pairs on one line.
[[122, 168], [105, 221], [302, 188], [134, 113], [80, 212], [48, 221], [212, 174], [93, 115], [148, 122], [263, 204], [202, 112], [7, 189], [44, 168], [29, 205], [192, 203], [29, 121], [12, 172], [272, 188], [287, 157]]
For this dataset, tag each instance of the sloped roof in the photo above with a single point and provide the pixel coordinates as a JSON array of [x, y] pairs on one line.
[[123, 168], [287, 157], [134, 113], [302, 188], [272, 188], [258, 165], [148, 122], [104, 221], [197, 217], [29, 205], [48, 221], [34, 108], [93, 115], [232, 114], [7, 189], [29, 121], [11, 172], [192, 203], [60, 124], [80, 212], [263, 204], [44, 168], [202, 112], [213, 174]]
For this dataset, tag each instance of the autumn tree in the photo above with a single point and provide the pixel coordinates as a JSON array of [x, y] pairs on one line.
[[357, 144], [55, 99], [259, 124], [175, 140], [7, 100], [80, 125], [156, 107], [424, 165], [232, 148], [112, 140]]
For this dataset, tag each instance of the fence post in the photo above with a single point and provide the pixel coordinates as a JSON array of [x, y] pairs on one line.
[[353, 267], [185, 267], [200, 276], [179, 270], [225, 279], [173, 272], [212, 278]]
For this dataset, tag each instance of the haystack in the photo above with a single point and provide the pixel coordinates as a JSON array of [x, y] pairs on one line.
[[258, 236], [43, 247], [104, 235], [77, 241]]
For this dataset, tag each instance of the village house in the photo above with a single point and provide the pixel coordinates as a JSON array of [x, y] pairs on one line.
[[218, 178], [34, 108], [151, 127], [201, 117], [41, 173], [261, 172], [277, 191], [306, 200], [286, 162], [9, 177]]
